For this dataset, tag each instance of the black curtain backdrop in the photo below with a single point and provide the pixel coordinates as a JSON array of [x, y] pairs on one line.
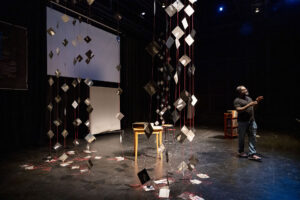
[[266, 60], [135, 74], [23, 112]]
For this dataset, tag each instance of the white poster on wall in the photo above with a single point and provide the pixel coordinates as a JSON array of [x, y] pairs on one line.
[[106, 104]]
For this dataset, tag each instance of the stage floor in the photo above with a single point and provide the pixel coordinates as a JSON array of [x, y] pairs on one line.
[[230, 177]]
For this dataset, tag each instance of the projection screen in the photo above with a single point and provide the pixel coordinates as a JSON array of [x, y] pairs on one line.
[[102, 67]]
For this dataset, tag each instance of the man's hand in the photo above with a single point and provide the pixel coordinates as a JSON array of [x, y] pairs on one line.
[[258, 99], [253, 103]]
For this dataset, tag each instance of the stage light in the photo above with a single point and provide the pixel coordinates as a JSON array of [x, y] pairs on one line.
[[257, 10], [163, 5], [143, 13], [221, 8]]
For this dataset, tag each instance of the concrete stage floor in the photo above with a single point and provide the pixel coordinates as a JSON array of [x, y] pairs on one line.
[[230, 177]]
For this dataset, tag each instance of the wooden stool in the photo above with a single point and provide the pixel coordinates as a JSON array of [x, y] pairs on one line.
[[139, 131], [167, 128]]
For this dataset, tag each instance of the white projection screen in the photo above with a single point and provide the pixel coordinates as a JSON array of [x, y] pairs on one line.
[[106, 104], [102, 67], [104, 45]]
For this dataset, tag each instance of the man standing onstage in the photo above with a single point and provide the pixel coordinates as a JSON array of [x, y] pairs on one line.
[[245, 108]]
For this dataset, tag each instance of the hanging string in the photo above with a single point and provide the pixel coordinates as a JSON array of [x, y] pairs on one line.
[[50, 119], [193, 75], [57, 90]]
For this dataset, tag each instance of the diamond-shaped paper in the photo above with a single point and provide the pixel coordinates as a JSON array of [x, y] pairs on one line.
[[64, 133], [119, 116], [79, 58], [179, 104], [57, 50], [57, 146], [65, 87], [74, 43], [50, 134], [169, 67], [88, 82], [175, 116], [170, 10], [74, 61], [119, 91], [194, 100], [143, 176], [153, 48], [190, 135], [89, 54], [189, 10], [193, 68], [189, 40], [192, 1], [50, 106], [65, 42], [74, 83], [87, 101], [57, 73], [177, 43], [90, 138], [77, 122], [193, 33], [184, 130], [57, 99], [151, 88], [185, 60], [118, 67], [148, 129], [65, 18], [76, 142], [178, 69], [50, 31], [87, 39], [177, 32], [176, 78], [50, 81], [182, 166], [79, 38], [89, 109], [185, 96], [90, 2], [63, 157], [74, 104], [170, 42], [74, 22], [51, 54], [178, 5], [180, 137], [162, 112], [88, 60], [87, 123], [57, 122], [184, 23]]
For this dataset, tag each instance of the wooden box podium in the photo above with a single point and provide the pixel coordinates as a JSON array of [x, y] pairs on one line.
[[230, 124]]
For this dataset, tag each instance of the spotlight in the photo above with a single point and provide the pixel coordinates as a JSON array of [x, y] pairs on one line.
[[221, 8], [163, 5], [143, 13], [257, 10]]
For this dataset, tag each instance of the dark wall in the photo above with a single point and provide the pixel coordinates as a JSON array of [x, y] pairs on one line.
[[23, 112], [260, 52]]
